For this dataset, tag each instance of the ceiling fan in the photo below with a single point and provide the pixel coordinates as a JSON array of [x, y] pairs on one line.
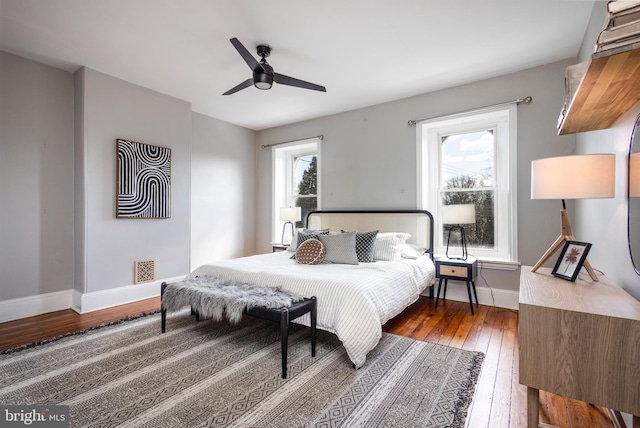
[[263, 74]]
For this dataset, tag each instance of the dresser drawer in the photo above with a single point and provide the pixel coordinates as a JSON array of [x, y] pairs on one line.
[[453, 271]]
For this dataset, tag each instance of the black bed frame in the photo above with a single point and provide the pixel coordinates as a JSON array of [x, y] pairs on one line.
[[428, 251]]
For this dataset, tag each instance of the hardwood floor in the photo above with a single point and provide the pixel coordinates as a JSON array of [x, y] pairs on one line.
[[499, 401]]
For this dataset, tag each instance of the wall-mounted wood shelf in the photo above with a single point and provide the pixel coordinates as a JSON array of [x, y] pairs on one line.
[[609, 88]]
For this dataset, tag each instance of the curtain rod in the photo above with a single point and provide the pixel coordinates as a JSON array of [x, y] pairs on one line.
[[264, 146], [527, 100]]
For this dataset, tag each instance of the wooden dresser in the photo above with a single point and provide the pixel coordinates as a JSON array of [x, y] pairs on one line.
[[580, 340]]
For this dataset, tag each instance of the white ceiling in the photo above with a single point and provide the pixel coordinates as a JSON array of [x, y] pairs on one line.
[[364, 52]]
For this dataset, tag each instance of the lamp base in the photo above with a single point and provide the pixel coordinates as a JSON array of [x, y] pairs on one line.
[[566, 234], [463, 242], [285, 228]]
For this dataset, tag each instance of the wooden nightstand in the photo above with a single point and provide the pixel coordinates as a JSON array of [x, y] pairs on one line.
[[278, 247], [458, 270]]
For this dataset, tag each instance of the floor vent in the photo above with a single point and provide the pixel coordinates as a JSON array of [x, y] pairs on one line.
[[145, 271]]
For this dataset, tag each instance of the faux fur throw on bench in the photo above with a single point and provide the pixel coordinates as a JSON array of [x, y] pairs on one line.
[[212, 297]]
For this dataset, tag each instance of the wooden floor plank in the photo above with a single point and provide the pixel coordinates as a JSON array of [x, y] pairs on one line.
[[518, 414], [483, 399], [500, 407], [465, 328], [499, 400], [449, 311]]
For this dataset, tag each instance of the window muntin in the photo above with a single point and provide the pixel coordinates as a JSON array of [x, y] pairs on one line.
[[467, 176]]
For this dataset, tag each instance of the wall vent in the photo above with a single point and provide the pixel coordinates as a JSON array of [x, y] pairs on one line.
[[145, 271]]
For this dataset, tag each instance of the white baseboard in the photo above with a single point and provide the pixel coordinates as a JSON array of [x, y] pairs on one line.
[[89, 302], [34, 305], [80, 302], [458, 291]]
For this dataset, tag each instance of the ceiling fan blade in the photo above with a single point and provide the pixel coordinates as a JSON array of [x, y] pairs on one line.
[[248, 58], [291, 81], [239, 87]]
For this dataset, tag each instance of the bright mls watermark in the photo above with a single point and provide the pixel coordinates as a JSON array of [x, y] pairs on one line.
[[34, 416]]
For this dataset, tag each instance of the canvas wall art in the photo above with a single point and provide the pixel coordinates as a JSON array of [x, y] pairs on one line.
[[144, 180]]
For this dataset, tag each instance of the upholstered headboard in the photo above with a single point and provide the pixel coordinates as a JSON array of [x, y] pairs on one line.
[[418, 223]]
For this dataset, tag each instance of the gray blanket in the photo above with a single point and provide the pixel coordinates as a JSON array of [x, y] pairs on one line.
[[213, 297]]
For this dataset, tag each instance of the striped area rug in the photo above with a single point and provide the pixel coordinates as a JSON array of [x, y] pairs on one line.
[[201, 374]]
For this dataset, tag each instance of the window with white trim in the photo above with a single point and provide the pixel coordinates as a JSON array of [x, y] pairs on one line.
[[470, 158], [296, 180]]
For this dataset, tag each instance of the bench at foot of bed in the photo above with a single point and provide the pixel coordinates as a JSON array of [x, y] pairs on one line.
[[283, 316]]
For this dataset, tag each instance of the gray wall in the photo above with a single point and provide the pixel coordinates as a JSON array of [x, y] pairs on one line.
[[58, 198], [222, 191], [603, 222], [36, 178], [369, 155], [117, 109]]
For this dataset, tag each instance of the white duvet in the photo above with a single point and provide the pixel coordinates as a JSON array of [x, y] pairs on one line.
[[354, 301]]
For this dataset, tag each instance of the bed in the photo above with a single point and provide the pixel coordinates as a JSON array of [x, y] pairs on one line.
[[354, 300]]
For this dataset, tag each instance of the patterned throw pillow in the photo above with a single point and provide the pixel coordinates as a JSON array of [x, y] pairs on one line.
[[295, 242], [310, 252], [341, 248], [364, 245]]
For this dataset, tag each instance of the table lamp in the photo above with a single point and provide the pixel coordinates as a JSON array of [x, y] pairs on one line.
[[572, 177], [457, 215], [289, 215]]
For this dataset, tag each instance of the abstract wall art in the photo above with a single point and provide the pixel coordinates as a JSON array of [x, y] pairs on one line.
[[144, 180]]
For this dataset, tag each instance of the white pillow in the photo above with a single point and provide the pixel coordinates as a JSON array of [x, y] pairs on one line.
[[341, 248], [410, 251], [388, 246], [294, 242]]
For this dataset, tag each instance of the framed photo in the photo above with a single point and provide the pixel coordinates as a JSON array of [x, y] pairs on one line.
[[571, 258]]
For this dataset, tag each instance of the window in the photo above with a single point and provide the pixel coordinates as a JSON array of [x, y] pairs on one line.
[[470, 158], [296, 180]]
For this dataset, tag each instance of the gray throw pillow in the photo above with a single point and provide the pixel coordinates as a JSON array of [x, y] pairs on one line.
[[341, 248]]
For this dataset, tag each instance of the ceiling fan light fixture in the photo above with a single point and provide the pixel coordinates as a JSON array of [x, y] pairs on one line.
[[262, 80], [263, 74]]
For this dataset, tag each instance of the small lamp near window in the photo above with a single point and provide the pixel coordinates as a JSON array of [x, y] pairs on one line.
[[456, 215], [572, 177], [289, 215]]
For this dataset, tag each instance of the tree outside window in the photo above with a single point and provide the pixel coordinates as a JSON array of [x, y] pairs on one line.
[[306, 183]]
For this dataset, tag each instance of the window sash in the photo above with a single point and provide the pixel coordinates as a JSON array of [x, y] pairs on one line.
[[430, 186], [284, 190]]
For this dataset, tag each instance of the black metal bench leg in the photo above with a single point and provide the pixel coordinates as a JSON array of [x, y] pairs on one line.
[[163, 311], [314, 315], [284, 338]]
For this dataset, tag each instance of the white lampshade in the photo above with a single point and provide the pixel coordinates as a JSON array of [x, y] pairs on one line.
[[574, 177], [459, 214], [290, 214], [634, 175]]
